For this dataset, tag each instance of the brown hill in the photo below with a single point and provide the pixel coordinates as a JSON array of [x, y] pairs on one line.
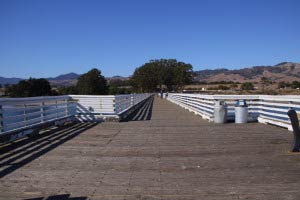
[[286, 71]]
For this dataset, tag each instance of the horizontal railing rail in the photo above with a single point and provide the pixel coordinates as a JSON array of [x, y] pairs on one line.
[[126, 102], [90, 107], [273, 109], [263, 108], [23, 113]]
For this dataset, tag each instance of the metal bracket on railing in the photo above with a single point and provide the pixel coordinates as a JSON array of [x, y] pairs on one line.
[[295, 124]]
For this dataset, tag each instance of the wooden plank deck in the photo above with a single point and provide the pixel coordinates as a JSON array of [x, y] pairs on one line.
[[174, 155]]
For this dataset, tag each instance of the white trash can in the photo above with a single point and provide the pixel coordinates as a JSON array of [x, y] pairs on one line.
[[220, 112], [241, 112]]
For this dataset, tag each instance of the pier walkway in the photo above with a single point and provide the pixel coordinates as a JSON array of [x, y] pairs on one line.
[[163, 152]]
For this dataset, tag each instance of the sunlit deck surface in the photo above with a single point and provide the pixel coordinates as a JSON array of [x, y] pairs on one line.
[[174, 155]]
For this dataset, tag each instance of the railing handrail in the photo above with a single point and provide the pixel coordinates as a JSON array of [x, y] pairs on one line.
[[106, 105], [87, 96], [31, 99]]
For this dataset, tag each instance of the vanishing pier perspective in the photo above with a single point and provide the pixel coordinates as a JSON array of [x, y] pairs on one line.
[[141, 146], [149, 100]]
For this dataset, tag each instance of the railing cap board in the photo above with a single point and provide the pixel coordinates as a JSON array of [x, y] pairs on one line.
[[219, 97], [92, 96], [235, 97], [246, 97], [27, 100], [280, 97]]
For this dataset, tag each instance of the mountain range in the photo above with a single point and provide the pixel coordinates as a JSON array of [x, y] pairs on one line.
[[285, 71], [61, 80]]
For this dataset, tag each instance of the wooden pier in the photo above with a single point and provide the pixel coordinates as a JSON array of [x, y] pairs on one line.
[[163, 153]]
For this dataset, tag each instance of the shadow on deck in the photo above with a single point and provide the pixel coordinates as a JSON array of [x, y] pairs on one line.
[[142, 114], [21, 152], [59, 197]]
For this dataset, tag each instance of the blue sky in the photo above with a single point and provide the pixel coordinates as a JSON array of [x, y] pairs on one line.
[[48, 38]]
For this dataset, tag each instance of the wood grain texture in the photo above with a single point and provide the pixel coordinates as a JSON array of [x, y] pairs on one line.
[[174, 155]]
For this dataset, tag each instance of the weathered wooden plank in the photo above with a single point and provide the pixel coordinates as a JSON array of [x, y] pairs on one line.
[[174, 155]]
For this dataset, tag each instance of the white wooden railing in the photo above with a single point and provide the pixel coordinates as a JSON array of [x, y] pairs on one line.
[[273, 109], [263, 108], [21, 113], [91, 107], [125, 102]]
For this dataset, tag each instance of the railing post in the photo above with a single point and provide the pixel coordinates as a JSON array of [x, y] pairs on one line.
[[1, 119], [295, 124], [186, 100], [25, 115], [56, 110], [42, 111], [132, 100], [115, 106], [67, 107]]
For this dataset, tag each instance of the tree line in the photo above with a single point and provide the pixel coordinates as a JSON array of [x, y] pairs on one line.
[[167, 74], [90, 83], [293, 85], [215, 82], [156, 75]]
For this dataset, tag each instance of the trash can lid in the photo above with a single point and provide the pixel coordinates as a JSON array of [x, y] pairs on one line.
[[241, 103], [220, 103]]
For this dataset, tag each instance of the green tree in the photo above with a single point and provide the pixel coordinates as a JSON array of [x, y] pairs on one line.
[[30, 88], [145, 78], [247, 86], [234, 86], [92, 83], [223, 87], [118, 83], [295, 85], [119, 86], [112, 90], [68, 90], [182, 75], [156, 73], [282, 85]]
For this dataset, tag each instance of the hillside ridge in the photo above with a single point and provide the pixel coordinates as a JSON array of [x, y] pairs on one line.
[[285, 71]]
